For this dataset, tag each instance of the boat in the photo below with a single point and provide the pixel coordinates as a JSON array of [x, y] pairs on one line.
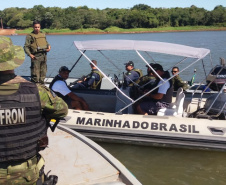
[[75, 159], [192, 121]]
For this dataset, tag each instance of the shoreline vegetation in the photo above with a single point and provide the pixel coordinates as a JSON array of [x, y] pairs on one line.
[[116, 30]]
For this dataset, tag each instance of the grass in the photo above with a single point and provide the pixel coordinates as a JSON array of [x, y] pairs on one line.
[[121, 30]]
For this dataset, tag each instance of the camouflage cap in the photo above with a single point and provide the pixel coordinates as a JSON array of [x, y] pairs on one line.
[[11, 56]]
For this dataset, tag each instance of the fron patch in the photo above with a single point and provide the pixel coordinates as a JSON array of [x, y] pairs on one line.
[[12, 116]]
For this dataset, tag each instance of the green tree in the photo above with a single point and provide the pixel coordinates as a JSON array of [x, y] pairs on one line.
[[218, 16], [139, 16], [48, 19]]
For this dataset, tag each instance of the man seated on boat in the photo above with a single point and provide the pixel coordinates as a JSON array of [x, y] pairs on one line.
[[177, 81], [131, 77], [160, 97], [59, 86], [145, 83], [92, 80]]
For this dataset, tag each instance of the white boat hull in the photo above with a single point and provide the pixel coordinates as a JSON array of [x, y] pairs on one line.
[[149, 130]]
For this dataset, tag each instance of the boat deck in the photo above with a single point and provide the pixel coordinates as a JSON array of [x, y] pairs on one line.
[[79, 163]]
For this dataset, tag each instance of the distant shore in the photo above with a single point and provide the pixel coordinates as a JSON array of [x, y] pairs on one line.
[[111, 31], [130, 32]]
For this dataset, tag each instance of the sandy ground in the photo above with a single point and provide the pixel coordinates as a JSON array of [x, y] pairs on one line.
[[7, 31]]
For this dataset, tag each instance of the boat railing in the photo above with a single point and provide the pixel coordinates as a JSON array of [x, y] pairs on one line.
[[200, 100]]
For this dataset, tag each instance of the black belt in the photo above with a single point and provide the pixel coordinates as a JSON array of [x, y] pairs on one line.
[[39, 53], [33, 160]]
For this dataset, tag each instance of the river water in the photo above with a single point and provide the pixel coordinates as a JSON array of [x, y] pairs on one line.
[[151, 165]]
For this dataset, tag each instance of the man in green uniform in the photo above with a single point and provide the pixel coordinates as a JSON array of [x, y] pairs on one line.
[[25, 110], [36, 47], [177, 81]]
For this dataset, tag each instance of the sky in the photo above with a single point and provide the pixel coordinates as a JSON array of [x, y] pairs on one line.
[[102, 4]]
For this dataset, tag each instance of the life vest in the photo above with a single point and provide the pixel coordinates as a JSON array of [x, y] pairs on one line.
[[56, 78], [147, 81], [39, 44], [140, 73], [22, 125], [169, 93], [96, 84]]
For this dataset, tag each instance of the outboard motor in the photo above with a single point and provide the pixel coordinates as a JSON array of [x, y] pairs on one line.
[[216, 104], [217, 76]]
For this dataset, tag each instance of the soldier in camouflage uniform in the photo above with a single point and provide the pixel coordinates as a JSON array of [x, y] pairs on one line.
[[36, 47], [177, 81], [24, 113]]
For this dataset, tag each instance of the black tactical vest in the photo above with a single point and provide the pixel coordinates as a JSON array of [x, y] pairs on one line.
[[21, 124], [56, 78]]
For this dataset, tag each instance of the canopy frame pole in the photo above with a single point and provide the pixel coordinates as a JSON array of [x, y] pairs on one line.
[[204, 68], [149, 65], [178, 63], [150, 56], [109, 59], [77, 60]]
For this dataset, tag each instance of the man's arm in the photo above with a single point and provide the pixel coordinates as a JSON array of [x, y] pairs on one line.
[[161, 91], [94, 77], [27, 45], [48, 47], [132, 77], [157, 96], [74, 97], [52, 105], [179, 83]]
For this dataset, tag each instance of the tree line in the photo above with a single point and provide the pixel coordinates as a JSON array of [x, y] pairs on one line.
[[139, 16]]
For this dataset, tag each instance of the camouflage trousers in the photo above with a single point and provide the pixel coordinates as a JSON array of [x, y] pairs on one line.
[[39, 68], [26, 173]]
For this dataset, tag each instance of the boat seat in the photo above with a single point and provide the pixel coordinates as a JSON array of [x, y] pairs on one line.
[[105, 84], [176, 108]]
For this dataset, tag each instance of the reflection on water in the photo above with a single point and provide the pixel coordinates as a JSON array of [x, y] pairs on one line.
[[150, 165], [168, 166]]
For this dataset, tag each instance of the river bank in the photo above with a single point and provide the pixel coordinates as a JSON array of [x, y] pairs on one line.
[[116, 30], [112, 30], [131, 32]]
